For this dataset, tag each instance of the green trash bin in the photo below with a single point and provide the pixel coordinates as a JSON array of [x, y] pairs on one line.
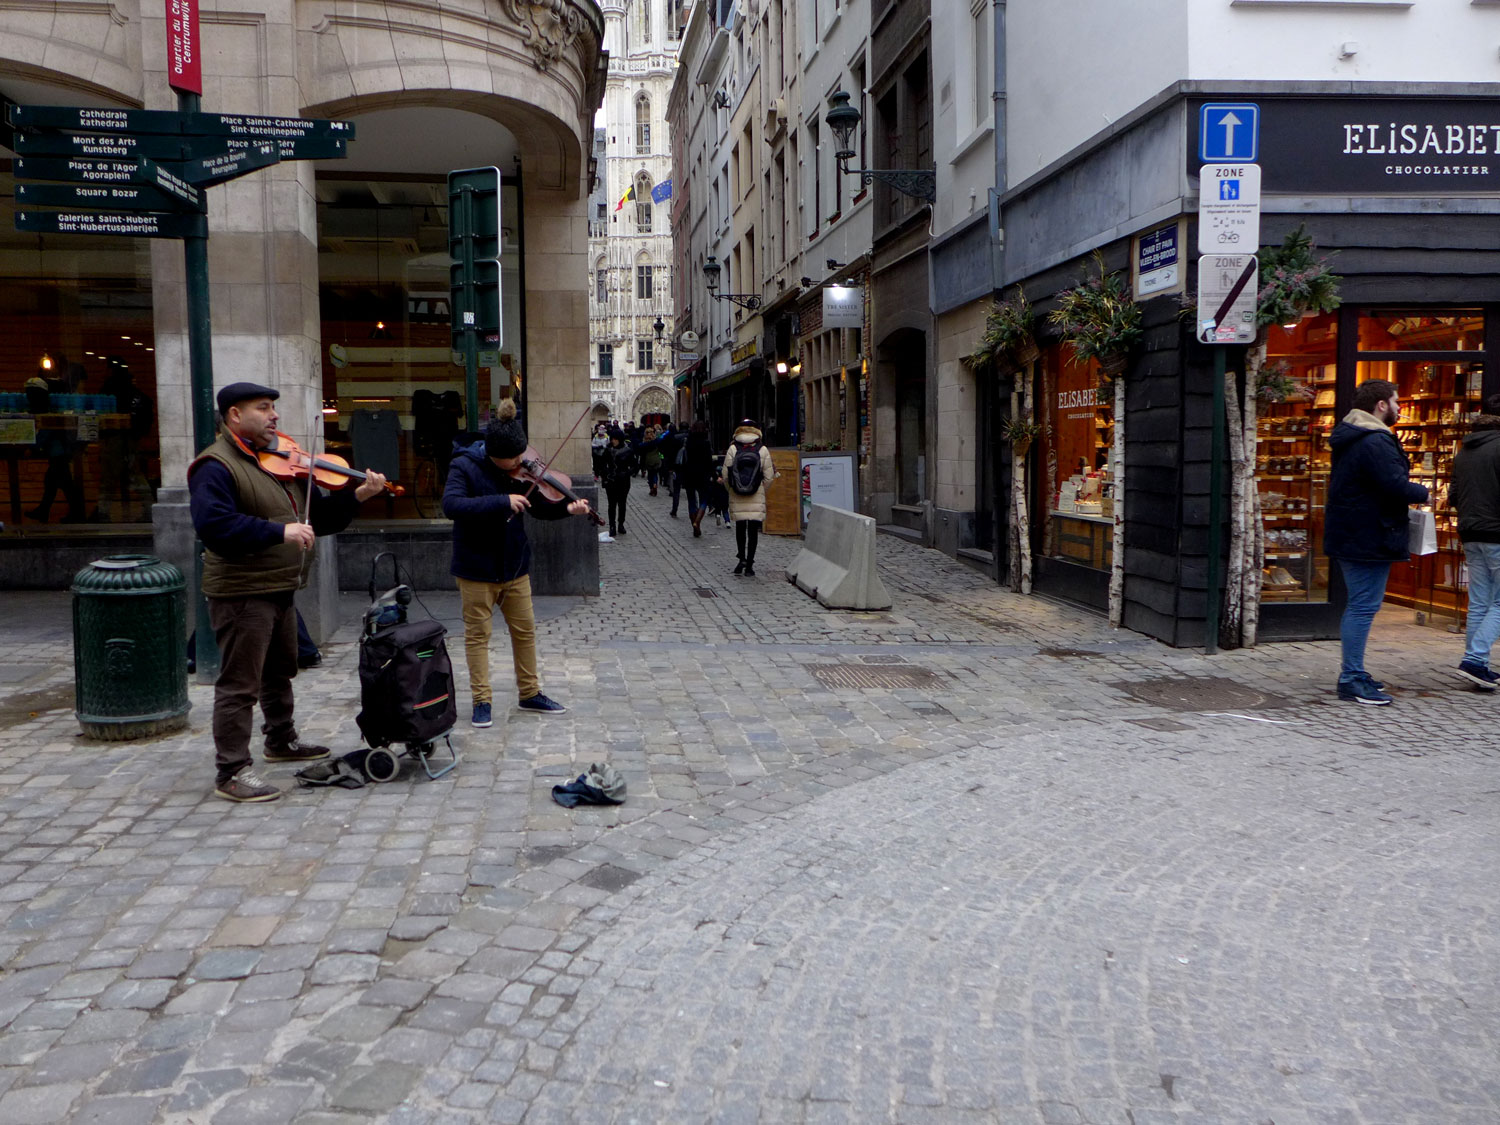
[[130, 648]]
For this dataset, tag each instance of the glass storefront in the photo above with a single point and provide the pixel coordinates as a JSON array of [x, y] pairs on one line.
[[1074, 449], [1436, 360], [78, 429], [393, 389]]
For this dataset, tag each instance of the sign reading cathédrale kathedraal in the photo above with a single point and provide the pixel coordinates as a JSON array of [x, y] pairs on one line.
[[1415, 146]]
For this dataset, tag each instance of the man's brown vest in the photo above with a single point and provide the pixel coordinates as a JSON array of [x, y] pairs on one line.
[[275, 570]]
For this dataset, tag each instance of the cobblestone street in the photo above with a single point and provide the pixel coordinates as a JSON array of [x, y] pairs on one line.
[[979, 858]]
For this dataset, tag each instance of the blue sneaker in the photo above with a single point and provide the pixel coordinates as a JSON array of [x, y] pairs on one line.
[[1363, 690], [1478, 675], [481, 715], [539, 704]]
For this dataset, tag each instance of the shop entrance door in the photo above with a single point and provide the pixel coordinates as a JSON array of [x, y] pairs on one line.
[[1436, 358]]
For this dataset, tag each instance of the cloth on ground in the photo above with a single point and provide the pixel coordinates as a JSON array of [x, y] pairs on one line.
[[599, 785]]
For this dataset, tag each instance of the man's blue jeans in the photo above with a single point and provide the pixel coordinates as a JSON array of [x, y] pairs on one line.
[[1365, 582], [1484, 601]]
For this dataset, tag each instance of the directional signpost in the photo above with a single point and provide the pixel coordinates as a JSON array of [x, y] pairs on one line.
[[1228, 282], [474, 246], [141, 173]]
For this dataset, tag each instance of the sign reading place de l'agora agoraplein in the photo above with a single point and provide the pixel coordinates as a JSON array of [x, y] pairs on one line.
[[1416, 146]]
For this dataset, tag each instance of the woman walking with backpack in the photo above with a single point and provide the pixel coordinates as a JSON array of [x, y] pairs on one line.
[[747, 471], [697, 472]]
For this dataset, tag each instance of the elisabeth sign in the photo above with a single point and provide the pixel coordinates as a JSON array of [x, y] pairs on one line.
[[1414, 146]]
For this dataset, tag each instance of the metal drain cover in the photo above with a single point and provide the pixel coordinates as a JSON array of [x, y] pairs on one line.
[[705, 592], [865, 676], [1200, 693]]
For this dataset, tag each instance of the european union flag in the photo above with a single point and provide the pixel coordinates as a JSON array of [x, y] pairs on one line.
[[662, 192]]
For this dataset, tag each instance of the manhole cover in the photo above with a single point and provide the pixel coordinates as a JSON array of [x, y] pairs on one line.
[[608, 877], [705, 592], [864, 676], [1200, 693]]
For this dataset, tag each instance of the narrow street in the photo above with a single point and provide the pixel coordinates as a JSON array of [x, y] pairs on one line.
[[979, 858]]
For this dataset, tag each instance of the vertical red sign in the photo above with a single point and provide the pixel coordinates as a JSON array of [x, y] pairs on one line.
[[184, 68]]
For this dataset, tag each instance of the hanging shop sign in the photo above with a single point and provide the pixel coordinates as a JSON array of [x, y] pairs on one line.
[[745, 351], [1414, 146], [843, 307]]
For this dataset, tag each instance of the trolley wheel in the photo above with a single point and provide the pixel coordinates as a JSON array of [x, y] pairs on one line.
[[381, 765]]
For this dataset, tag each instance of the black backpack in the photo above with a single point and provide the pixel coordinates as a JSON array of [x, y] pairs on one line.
[[406, 684], [745, 474]]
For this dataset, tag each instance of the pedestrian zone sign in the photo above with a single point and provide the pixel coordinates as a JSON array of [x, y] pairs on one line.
[[1229, 133]]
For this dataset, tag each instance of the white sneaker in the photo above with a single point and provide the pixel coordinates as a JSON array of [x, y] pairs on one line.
[[606, 537]]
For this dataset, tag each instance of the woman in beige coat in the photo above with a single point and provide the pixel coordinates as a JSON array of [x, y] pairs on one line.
[[747, 510]]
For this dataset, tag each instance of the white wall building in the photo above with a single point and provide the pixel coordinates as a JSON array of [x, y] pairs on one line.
[[630, 239]]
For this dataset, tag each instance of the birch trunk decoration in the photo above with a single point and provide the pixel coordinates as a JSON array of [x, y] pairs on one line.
[[1254, 537], [1117, 538], [1231, 618], [1014, 509]]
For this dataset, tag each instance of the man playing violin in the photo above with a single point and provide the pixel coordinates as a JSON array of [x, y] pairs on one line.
[[258, 535], [492, 556]]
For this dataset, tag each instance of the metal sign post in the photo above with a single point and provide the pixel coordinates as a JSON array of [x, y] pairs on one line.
[[474, 278]]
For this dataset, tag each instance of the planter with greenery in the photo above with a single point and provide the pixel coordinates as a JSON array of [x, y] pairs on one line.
[[1009, 338]]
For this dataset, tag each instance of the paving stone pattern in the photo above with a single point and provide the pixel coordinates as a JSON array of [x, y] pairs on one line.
[[1046, 873]]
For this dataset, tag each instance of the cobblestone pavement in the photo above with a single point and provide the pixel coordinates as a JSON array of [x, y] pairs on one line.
[[976, 859]]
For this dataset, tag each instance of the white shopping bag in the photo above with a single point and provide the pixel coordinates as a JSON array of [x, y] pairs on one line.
[[1421, 532]]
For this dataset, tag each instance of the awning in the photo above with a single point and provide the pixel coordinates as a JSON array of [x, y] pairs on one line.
[[738, 373], [682, 380]]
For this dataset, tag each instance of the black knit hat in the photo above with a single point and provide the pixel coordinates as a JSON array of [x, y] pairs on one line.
[[505, 437]]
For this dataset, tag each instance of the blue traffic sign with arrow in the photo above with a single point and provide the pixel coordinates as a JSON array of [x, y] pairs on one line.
[[1229, 133]]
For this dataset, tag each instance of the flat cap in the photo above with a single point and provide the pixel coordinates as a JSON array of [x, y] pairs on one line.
[[239, 392]]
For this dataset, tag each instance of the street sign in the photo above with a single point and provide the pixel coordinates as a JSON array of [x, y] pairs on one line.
[[184, 65], [137, 225], [75, 171], [116, 196], [1229, 133], [117, 146], [476, 300], [227, 165], [1229, 209], [1158, 261], [90, 119], [297, 148], [1228, 285], [478, 222], [154, 174]]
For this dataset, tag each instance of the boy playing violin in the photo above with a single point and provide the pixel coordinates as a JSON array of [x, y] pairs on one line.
[[492, 556], [258, 535]]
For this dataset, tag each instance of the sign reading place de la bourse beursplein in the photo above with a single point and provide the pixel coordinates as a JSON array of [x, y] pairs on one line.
[[1417, 146]]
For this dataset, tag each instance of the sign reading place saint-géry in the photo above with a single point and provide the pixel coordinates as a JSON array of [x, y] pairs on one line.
[[1375, 144]]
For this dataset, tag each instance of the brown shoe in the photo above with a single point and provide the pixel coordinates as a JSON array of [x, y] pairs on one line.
[[296, 751], [245, 786]]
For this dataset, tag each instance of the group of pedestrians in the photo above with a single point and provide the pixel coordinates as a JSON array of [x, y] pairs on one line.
[[728, 485], [1367, 529]]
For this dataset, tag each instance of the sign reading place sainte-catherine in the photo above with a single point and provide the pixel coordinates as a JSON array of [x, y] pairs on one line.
[[1417, 146]]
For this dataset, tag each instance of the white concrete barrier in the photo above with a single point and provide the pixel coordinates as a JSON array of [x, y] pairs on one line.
[[837, 561]]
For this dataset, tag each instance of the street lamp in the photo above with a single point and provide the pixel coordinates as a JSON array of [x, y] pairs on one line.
[[843, 119], [711, 272]]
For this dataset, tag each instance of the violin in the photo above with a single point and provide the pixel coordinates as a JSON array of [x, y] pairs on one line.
[[286, 460], [551, 488]]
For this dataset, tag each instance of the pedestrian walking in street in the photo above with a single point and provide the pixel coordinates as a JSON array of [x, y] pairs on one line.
[[617, 466], [747, 470], [597, 444], [258, 533], [1475, 495], [1366, 521], [651, 457], [696, 470], [492, 557]]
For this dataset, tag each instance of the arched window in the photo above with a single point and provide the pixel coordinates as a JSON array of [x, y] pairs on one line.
[[643, 204], [645, 281], [643, 126]]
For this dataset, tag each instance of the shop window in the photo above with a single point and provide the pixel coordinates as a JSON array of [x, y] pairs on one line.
[[78, 393], [1075, 447], [1441, 393], [1292, 457]]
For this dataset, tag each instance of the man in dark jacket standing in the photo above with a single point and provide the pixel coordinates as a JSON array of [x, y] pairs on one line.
[[258, 535], [1475, 495], [492, 557], [1365, 525]]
